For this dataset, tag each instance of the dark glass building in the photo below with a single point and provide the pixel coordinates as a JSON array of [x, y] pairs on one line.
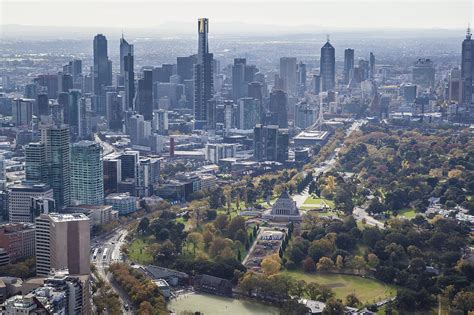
[[328, 67], [348, 65], [102, 64]]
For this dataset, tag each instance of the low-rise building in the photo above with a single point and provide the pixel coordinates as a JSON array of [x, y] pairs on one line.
[[173, 277], [212, 285], [18, 240], [164, 287], [122, 202]]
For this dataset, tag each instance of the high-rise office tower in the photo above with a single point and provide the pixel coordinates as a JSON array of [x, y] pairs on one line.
[[50, 82], [22, 111], [42, 104], [348, 65], [423, 72], [371, 66], [87, 183], [125, 49], [163, 73], [239, 87], [278, 108], [270, 143], [102, 65], [36, 168], [129, 82], [65, 82], [328, 67], [454, 85], [204, 110], [185, 67], [62, 242], [126, 72], [114, 110], [19, 200], [467, 68], [248, 114], [301, 78], [316, 84], [144, 99], [74, 68], [288, 74], [3, 174], [58, 159]]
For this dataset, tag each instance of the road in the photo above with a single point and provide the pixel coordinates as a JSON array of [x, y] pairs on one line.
[[106, 147], [327, 165], [360, 214], [108, 252]]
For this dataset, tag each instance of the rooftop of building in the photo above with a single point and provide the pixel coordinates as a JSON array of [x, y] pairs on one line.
[[30, 186], [85, 143], [119, 196], [312, 135], [15, 227], [64, 217], [91, 207]]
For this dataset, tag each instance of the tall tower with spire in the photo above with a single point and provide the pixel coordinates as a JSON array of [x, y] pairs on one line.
[[467, 67], [204, 108], [127, 75]]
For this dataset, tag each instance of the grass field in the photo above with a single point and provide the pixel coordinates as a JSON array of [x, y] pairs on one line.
[[317, 202], [407, 213], [137, 252], [367, 290], [216, 305]]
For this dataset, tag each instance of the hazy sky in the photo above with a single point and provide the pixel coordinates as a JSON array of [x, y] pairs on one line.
[[296, 15]]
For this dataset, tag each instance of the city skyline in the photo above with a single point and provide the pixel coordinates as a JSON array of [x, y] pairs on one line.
[[237, 149], [288, 17]]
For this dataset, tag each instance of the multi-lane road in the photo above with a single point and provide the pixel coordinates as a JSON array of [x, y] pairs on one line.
[[105, 251]]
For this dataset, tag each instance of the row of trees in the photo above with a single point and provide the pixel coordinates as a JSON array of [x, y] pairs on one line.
[[145, 295], [285, 291], [279, 287]]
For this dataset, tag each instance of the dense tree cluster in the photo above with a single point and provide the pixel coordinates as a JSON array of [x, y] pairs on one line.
[[280, 287], [404, 168], [423, 257]]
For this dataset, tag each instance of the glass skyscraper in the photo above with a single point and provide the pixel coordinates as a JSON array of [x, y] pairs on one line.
[[87, 184], [328, 67], [102, 64]]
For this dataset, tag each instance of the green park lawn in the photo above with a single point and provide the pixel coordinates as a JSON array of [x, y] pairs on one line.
[[367, 290], [137, 252], [407, 213], [320, 202]]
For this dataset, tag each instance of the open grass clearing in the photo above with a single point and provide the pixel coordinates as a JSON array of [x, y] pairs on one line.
[[367, 290], [137, 252], [216, 305]]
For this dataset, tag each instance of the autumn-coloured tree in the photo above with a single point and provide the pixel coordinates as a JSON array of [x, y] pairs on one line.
[[271, 265]]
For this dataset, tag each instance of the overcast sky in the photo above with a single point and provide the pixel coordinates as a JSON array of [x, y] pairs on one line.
[[419, 14]]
